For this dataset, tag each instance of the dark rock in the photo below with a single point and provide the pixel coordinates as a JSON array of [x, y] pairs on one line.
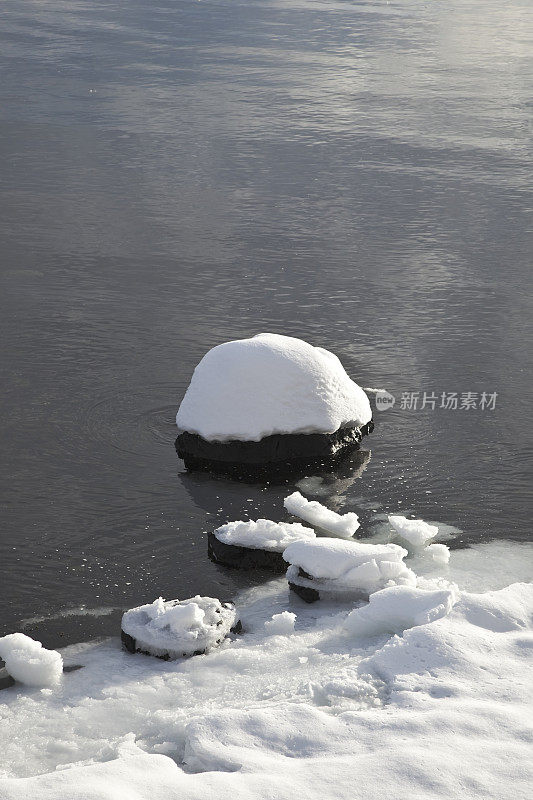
[[230, 555], [305, 592], [272, 455]]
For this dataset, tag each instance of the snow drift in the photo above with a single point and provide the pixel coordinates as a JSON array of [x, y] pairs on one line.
[[308, 710]]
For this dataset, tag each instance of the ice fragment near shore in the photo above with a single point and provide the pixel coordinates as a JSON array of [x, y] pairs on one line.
[[343, 525], [29, 662], [397, 608], [415, 532]]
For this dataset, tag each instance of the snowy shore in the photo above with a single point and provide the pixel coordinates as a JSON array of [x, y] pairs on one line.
[[323, 708]]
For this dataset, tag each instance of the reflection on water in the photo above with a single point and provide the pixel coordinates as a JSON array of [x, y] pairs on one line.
[[181, 173]]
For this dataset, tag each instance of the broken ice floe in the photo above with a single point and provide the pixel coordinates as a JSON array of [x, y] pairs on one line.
[[334, 567], [27, 661], [343, 525]]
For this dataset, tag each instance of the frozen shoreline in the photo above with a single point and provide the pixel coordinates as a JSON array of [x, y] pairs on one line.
[[439, 711]]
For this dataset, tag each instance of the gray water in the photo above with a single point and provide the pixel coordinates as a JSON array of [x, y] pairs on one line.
[[176, 174]]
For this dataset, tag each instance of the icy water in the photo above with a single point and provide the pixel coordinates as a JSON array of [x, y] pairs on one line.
[[176, 174]]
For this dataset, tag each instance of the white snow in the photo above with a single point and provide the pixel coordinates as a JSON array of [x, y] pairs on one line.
[[438, 552], [415, 532], [281, 624], [344, 525], [338, 566], [397, 608], [179, 627], [264, 534], [252, 388], [27, 661], [441, 711]]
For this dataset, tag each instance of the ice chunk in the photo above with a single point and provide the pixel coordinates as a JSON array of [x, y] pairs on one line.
[[440, 553], [264, 534], [344, 525], [29, 662], [397, 608], [175, 628], [415, 532], [335, 565], [252, 388], [281, 624]]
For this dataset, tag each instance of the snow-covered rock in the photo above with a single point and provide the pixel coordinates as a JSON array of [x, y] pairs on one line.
[[175, 628], [270, 384], [397, 608], [263, 534], [333, 565], [415, 532], [27, 661], [343, 525]]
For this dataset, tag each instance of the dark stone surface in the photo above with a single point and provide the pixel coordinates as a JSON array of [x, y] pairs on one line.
[[305, 592], [272, 455], [230, 555], [6, 680]]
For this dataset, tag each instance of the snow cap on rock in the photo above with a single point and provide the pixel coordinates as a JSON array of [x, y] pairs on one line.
[[270, 384]]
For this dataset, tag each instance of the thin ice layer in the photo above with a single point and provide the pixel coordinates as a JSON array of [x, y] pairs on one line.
[[252, 388], [344, 525], [27, 661], [179, 627], [263, 534]]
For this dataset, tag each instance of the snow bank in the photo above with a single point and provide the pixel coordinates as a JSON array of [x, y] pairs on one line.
[[29, 662], [337, 566], [252, 388], [176, 628], [344, 525], [263, 534], [397, 608], [441, 711], [415, 532]]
